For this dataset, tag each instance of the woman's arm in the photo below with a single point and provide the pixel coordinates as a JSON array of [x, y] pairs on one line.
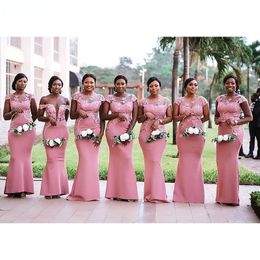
[[134, 117], [102, 121], [141, 116], [205, 113], [217, 115], [33, 109], [8, 114], [67, 111], [41, 111], [105, 114], [74, 114]]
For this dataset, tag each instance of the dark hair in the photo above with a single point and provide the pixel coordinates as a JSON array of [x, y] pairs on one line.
[[187, 81], [150, 80], [120, 77], [230, 76], [16, 78], [258, 91], [89, 75], [52, 79], [254, 97]]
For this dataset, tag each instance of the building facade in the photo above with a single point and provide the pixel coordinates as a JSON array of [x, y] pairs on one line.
[[39, 58]]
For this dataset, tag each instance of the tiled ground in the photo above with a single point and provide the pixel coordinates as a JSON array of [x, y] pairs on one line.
[[36, 209]]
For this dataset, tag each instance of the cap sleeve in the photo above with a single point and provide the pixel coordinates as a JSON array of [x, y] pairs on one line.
[[109, 98], [204, 101], [132, 98], [8, 97], [178, 101], [241, 99], [167, 102], [76, 96], [101, 97]]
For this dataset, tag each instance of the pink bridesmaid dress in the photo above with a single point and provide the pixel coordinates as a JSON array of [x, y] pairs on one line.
[[86, 182], [189, 183], [154, 183], [55, 178], [20, 175], [227, 152], [121, 179]]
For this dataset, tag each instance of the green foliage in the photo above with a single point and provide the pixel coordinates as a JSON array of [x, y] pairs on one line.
[[4, 151], [255, 202]]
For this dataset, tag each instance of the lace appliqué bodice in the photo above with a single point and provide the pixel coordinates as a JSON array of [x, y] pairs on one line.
[[90, 104], [20, 102]]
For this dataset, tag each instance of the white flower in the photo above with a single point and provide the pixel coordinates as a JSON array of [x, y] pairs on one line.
[[196, 131], [57, 140], [25, 127], [124, 137], [155, 132], [19, 129], [89, 131], [220, 138], [225, 137], [51, 143], [191, 130], [84, 133]]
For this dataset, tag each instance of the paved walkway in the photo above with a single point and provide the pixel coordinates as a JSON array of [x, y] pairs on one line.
[[36, 209]]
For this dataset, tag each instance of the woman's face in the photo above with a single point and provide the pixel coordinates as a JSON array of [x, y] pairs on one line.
[[120, 86], [56, 87], [230, 85], [21, 84], [154, 87], [192, 87], [89, 84]]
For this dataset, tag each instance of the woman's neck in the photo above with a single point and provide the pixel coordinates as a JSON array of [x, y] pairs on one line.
[[87, 93], [190, 96], [154, 96], [19, 92], [120, 94]]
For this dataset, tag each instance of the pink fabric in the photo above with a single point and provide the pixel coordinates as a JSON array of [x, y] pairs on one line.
[[86, 182], [20, 174], [154, 184], [55, 178], [121, 179], [227, 152], [189, 186]]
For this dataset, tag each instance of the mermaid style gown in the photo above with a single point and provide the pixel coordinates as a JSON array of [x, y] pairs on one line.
[[189, 184], [20, 174], [55, 178], [86, 182]]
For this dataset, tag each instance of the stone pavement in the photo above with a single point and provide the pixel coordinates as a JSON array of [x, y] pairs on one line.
[[36, 209]]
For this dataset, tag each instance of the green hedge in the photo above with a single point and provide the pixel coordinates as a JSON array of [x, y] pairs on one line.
[[255, 202]]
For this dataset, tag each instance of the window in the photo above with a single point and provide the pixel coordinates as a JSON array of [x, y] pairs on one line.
[[38, 45], [56, 48], [15, 41], [37, 83], [74, 51], [12, 69]]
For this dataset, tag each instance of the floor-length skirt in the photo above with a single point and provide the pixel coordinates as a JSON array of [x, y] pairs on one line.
[[189, 184], [154, 183], [20, 173], [55, 178], [228, 168], [86, 182], [121, 179]]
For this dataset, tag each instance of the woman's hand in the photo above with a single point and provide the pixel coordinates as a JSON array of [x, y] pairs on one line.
[[155, 125], [231, 122], [149, 115], [83, 114], [52, 121], [122, 117]]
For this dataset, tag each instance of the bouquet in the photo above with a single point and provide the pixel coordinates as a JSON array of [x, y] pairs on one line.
[[88, 135], [24, 128], [156, 135], [54, 142], [224, 138], [124, 138], [193, 130]]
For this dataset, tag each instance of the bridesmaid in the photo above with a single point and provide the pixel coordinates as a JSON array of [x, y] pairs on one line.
[[86, 108], [191, 111], [20, 108], [120, 110], [154, 112], [54, 111], [227, 117]]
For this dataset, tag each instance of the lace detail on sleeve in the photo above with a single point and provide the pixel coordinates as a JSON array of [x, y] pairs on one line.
[[178, 101], [101, 98], [8, 97], [76, 96], [241, 99], [109, 98], [167, 102], [203, 101], [132, 98]]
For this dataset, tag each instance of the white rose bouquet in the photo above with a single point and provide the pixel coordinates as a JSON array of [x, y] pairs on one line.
[[88, 134], [156, 135], [24, 128], [193, 130], [224, 138], [56, 142], [123, 138]]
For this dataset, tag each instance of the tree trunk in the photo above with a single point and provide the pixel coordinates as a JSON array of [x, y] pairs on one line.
[[210, 99], [247, 84], [186, 60]]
